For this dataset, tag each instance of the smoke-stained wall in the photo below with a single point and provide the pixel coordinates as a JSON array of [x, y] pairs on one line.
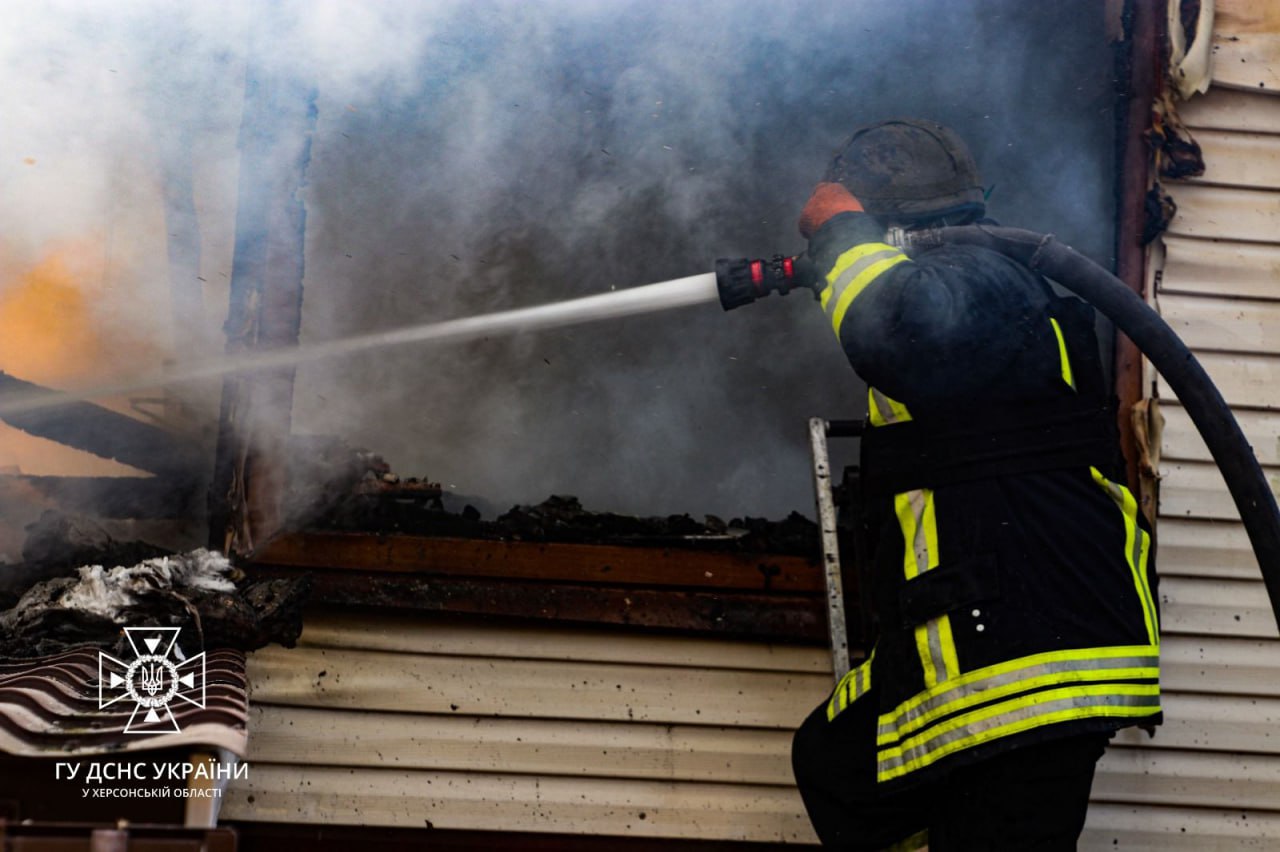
[[472, 157]]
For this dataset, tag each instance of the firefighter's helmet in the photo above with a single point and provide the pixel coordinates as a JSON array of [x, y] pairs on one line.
[[908, 171]]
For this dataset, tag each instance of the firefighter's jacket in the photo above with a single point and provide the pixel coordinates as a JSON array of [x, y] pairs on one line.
[[1011, 572]]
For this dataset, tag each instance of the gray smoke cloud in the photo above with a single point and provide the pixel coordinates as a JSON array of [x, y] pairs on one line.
[[479, 156]]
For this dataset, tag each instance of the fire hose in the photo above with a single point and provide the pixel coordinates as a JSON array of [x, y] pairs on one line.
[[741, 281]]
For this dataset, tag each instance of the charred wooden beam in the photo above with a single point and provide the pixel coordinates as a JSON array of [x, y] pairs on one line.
[[137, 497], [545, 561], [754, 615], [247, 490], [102, 432]]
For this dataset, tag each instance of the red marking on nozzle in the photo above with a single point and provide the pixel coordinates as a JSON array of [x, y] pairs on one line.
[[788, 268], [757, 274]]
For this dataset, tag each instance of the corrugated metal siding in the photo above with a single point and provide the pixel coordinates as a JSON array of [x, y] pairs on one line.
[[405, 721], [1210, 779]]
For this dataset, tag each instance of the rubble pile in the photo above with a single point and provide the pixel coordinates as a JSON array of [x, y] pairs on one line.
[[335, 487], [200, 591], [562, 518]]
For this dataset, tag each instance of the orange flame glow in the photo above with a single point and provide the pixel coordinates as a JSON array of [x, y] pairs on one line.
[[51, 334]]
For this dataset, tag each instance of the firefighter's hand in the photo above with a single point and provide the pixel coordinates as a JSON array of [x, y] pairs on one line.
[[827, 200]]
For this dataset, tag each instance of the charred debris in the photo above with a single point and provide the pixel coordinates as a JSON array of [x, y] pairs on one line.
[[382, 502], [79, 585]]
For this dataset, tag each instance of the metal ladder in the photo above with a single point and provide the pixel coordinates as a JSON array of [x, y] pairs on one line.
[[837, 625]]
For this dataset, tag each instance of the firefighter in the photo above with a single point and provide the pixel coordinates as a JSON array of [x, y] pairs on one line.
[[1011, 573]]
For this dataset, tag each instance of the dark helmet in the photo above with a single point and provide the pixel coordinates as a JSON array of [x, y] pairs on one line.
[[908, 170]]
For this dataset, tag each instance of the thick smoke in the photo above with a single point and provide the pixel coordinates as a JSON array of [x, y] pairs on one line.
[[471, 157]]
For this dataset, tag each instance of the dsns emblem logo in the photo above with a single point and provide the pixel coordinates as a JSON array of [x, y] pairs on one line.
[[157, 676]]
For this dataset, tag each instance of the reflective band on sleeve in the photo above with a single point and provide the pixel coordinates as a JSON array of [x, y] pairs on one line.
[[917, 517], [1016, 715], [1137, 547], [882, 410], [851, 274], [1063, 358], [851, 687]]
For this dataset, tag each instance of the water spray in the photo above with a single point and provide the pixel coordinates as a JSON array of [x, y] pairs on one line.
[[665, 295]]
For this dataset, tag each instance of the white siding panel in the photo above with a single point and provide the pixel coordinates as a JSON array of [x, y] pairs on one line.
[[404, 633], [1197, 490], [1219, 665], [1211, 777], [1240, 159], [1213, 212], [407, 720], [1138, 828], [1215, 607], [1250, 381], [1182, 440], [1231, 110], [1246, 46], [1223, 325], [520, 746], [375, 680], [1212, 723], [1220, 268], [1190, 547], [1196, 779], [502, 802]]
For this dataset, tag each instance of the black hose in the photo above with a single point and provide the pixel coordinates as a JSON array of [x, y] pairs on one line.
[[1192, 385]]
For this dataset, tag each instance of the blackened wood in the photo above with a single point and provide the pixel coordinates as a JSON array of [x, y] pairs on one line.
[[548, 561], [101, 431], [757, 616], [265, 306]]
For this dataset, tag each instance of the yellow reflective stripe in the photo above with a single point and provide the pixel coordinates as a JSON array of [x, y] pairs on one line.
[[1022, 668], [1063, 358], [839, 697], [883, 410], [926, 652], [917, 841], [851, 687], [917, 517], [851, 263], [891, 732], [1131, 700], [1137, 548], [857, 285], [950, 661]]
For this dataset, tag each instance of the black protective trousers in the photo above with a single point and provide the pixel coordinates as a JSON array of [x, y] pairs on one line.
[[1030, 799]]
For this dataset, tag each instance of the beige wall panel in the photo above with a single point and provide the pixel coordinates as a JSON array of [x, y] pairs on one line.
[[1227, 109], [1183, 441], [1197, 490], [1212, 723], [613, 749], [1240, 159], [1204, 548], [374, 680], [427, 634], [1215, 607], [458, 800], [1250, 381], [1213, 212], [1201, 779], [1223, 268], [1140, 828], [1246, 45], [1223, 325], [1218, 665]]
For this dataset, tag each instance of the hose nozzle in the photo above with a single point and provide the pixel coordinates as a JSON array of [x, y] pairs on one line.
[[741, 281]]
